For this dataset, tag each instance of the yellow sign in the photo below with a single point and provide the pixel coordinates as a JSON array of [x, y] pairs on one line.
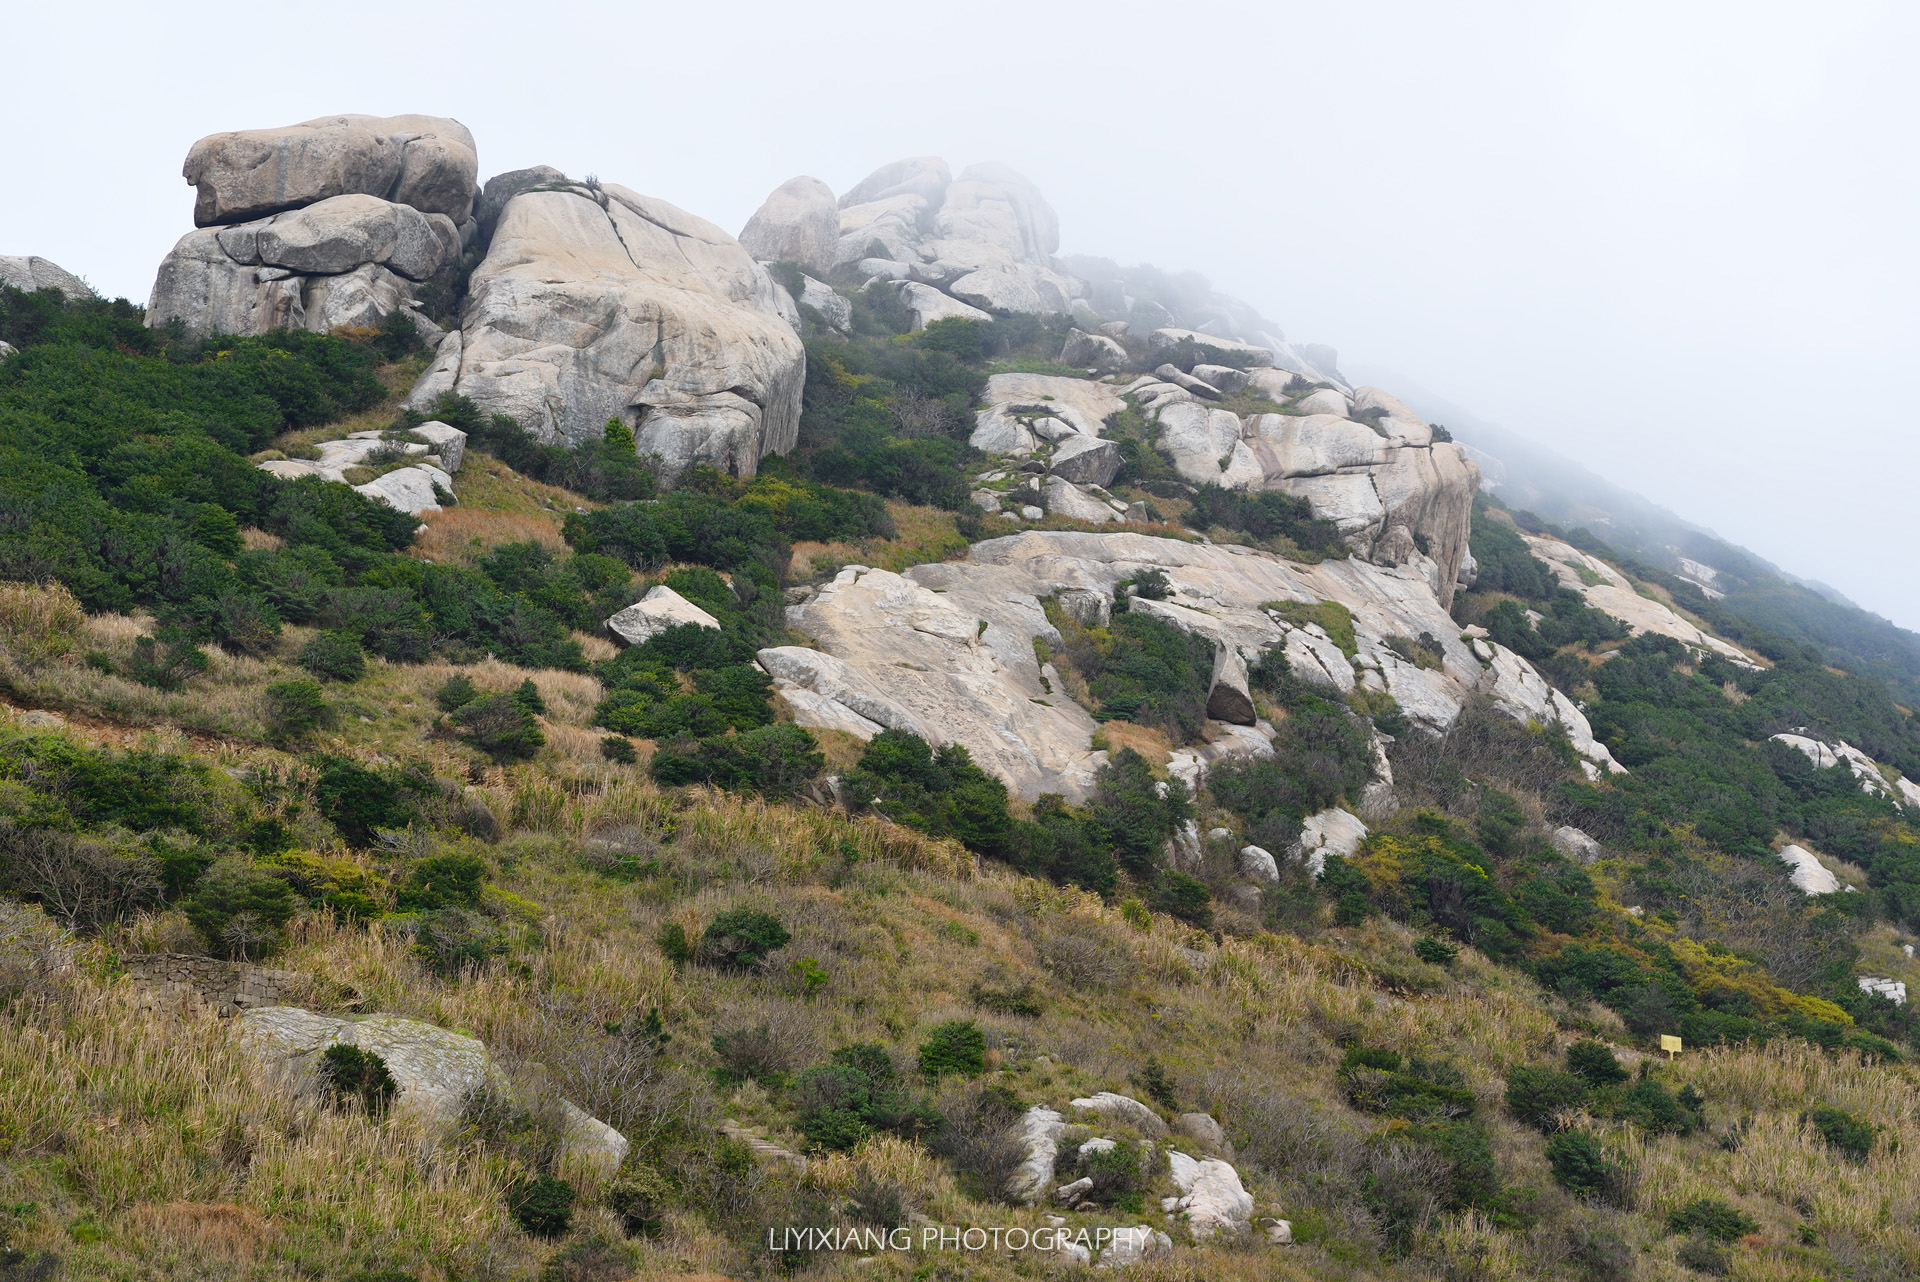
[[1669, 1043]]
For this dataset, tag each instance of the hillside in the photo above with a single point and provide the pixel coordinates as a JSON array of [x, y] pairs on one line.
[[545, 740]]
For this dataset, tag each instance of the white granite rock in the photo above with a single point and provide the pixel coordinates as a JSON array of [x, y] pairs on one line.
[[600, 303], [1809, 874], [798, 223], [1086, 460], [1576, 845], [1125, 1110], [413, 490], [1063, 498], [1258, 864], [427, 162], [1212, 1197], [1206, 447], [1826, 755], [449, 442], [1039, 1135], [833, 307], [30, 273], [929, 305], [1093, 351], [1331, 832], [1214, 349], [661, 608]]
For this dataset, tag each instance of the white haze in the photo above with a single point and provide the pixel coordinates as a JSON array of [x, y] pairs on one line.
[[1674, 241]]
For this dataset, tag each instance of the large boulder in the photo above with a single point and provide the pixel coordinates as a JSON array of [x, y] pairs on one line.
[[427, 162], [596, 303], [1126, 1111], [950, 666], [1213, 1199], [1017, 404], [661, 608], [30, 273], [991, 203], [435, 1070], [1038, 1135], [799, 223], [925, 177]]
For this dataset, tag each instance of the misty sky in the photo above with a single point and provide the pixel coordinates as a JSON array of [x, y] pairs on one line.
[[1675, 241]]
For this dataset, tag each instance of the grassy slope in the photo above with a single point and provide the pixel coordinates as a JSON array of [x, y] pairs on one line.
[[143, 1144]]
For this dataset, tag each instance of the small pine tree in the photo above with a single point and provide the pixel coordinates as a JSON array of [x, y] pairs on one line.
[[620, 437]]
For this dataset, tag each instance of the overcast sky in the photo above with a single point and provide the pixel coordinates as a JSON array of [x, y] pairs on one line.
[[1675, 241]]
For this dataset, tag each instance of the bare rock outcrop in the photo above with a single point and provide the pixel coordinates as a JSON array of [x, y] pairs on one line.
[[798, 223], [428, 162], [30, 272], [596, 303], [317, 226]]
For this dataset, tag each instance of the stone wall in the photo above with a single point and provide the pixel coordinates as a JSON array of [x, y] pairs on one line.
[[171, 979]]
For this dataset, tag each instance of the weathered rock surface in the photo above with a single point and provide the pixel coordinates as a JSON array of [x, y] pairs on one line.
[[1063, 498], [798, 223], [1616, 596], [1204, 1131], [1126, 1111], [1211, 348], [413, 490], [1331, 832], [1259, 864], [907, 657], [1808, 873], [661, 608], [929, 305], [1523, 694], [833, 308], [1086, 460], [1212, 1197], [1016, 403], [30, 273], [427, 162], [1094, 351], [1576, 845], [434, 1069], [594, 304], [908, 651], [924, 177], [1039, 1135]]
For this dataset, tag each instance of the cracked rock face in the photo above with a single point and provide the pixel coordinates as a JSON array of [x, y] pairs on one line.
[[595, 304], [29, 272], [428, 162]]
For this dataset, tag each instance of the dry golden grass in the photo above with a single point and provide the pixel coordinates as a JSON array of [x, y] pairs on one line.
[[39, 622], [258, 540], [922, 534], [1149, 742]]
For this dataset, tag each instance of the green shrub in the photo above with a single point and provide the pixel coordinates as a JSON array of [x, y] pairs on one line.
[[239, 908], [542, 1206], [1851, 1136], [360, 802], [1437, 951], [1713, 1217], [1154, 1079], [673, 943], [1536, 1096], [741, 938], [1115, 1173], [296, 708], [955, 1047], [500, 726], [453, 940], [1182, 895], [640, 1195], [350, 1073], [441, 881], [619, 750], [1135, 814], [942, 793], [1594, 1063], [1703, 1255], [591, 1259], [455, 692], [751, 1054], [1579, 1164], [334, 656]]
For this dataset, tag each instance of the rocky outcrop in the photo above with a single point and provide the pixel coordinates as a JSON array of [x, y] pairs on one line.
[[1126, 1111], [427, 162], [1397, 497], [951, 666], [1825, 755], [985, 240], [1212, 1198], [798, 223], [434, 1069], [946, 649], [414, 489], [1039, 1137], [596, 303], [1605, 588], [318, 226], [1333, 832], [1808, 873], [661, 608], [1576, 845], [31, 273]]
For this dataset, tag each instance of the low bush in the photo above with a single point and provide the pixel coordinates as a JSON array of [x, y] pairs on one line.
[[297, 708], [1712, 1217], [957, 1047], [1538, 1096], [499, 725], [542, 1206], [334, 656], [1848, 1135], [741, 938], [239, 908], [349, 1073], [1594, 1063], [1579, 1164]]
